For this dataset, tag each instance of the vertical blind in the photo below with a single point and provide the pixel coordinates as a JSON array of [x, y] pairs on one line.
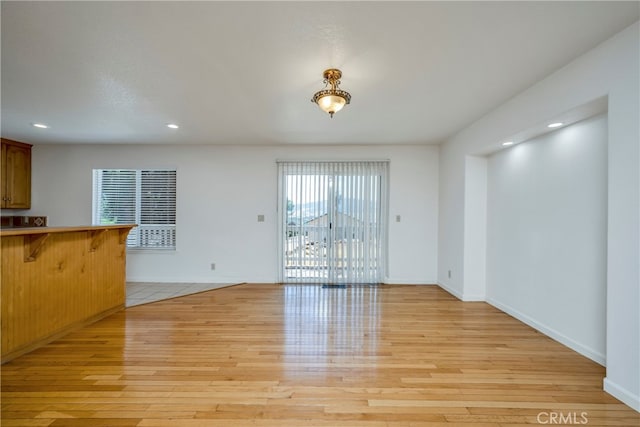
[[143, 197], [333, 221]]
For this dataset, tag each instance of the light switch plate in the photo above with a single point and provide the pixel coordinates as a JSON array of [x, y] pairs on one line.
[[260, 218]]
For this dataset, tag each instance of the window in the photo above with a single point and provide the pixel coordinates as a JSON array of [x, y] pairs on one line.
[[143, 197]]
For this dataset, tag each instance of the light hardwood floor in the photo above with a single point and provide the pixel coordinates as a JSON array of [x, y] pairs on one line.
[[275, 355]]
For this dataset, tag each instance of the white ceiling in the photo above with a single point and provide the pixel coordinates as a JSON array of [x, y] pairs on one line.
[[244, 72]]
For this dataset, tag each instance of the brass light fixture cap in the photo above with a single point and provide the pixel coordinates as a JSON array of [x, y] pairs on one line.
[[332, 74]]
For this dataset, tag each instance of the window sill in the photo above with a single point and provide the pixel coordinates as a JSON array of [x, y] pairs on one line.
[[150, 251]]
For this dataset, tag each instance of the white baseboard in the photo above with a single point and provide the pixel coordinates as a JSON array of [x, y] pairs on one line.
[[622, 394], [392, 281], [182, 279], [233, 279], [588, 352], [472, 298], [461, 296], [452, 291]]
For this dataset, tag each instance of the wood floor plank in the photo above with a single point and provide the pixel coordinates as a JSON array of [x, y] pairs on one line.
[[299, 355]]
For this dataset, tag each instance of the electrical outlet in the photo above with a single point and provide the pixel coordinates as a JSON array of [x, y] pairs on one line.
[[398, 218], [260, 218], [213, 265], [449, 274]]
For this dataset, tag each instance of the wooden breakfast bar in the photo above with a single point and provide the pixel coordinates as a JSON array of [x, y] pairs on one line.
[[56, 279]]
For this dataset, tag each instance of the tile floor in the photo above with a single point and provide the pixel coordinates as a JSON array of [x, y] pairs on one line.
[[143, 293]]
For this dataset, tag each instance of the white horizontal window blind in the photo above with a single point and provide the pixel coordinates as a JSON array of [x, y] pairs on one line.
[[333, 221], [143, 197]]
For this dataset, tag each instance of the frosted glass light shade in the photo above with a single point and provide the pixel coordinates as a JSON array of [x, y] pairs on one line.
[[331, 103]]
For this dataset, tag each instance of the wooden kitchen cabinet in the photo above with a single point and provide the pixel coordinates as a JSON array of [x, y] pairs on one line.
[[16, 175]]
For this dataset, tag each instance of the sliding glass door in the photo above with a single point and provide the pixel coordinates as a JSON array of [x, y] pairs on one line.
[[333, 221]]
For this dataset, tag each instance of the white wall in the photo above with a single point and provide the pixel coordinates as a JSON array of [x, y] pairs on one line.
[[222, 189], [547, 234], [475, 228], [611, 69]]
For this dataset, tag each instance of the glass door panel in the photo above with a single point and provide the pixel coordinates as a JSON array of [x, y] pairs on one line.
[[333, 222]]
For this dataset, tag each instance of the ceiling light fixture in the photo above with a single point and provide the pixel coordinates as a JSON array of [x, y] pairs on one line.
[[555, 125], [40, 125], [331, 99], [507, 143], [173, 126]]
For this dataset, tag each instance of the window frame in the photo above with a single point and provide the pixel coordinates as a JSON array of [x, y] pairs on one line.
[[143, 232]]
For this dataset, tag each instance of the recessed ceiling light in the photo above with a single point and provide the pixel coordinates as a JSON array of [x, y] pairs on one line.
[[555, 125], [507, 143], [173, 126], [40, 125]]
